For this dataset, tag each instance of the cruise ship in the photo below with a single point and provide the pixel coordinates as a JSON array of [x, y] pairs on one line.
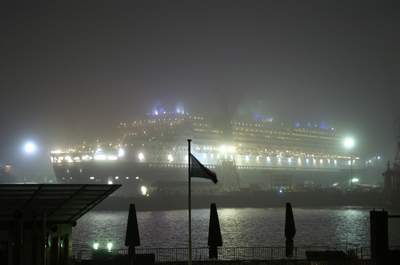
[[257, 153]]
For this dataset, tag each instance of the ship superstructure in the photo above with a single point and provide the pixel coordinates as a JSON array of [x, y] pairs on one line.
[[246, 152]]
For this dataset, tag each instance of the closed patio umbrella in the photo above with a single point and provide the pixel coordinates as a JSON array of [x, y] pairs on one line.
[[214, 233], [132, 238], [290, 230]]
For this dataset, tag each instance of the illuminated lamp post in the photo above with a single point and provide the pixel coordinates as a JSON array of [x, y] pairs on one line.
[[349, 143], [30, 148]]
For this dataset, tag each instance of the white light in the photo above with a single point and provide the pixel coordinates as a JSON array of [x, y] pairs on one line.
[[307, 160], [170, 158], [378, 157], [335, 184], [116, 177], [86, 157], [112, 157], [268, 159], [321, 161], [121, 152], [355, 180], [137, 177], [109, 246], [289, 160], [110, 182], [100, 157], [349, 143], [141, 157], [299, 161], [30, 148], [247, 158], [91, 178], [227, 149], [349, 162], [335, 162], [143, 190], [96, 245], [68, 159]]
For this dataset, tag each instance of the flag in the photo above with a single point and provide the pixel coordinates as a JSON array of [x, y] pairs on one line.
[[198, 170]]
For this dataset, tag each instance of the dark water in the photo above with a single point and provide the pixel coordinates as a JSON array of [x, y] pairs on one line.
[[239, 227]]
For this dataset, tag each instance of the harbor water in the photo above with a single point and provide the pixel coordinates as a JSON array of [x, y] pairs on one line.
[[240, 227]]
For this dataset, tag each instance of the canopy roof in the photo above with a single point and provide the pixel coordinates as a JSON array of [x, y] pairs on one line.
[[60, 203]]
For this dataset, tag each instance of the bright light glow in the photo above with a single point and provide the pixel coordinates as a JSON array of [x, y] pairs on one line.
[[121, 152], [289, 160], [224, 149], [109, 246], [170, 158], [349, 162], [110, 182], [91, 178], [355, 180], [96, 245], [116, 177], [321, 161], [141, 157], [349, 143], [268, 159], [299, 161], [335, 162], [68, 159], [335, 184], [378, 157], [307, 160], [247, 158], [143, 190], [137, 177], [279, 160], [58, 151], [100, 157], [112, 157], [30, 148], [86, 157]]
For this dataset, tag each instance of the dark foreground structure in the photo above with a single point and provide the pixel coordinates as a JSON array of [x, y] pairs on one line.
[[36, 220]]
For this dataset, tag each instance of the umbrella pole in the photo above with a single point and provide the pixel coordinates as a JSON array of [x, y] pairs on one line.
[[189, 206], [132, 254]]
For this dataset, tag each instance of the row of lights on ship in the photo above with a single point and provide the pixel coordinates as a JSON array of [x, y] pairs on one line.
[[170, 158]]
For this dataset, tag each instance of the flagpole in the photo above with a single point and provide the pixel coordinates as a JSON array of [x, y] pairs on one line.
[[189, 205]]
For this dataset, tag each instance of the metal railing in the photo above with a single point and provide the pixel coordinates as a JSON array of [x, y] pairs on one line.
[[232, 253]]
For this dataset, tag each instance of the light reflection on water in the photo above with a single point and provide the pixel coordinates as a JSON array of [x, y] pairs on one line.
[[239, 227]]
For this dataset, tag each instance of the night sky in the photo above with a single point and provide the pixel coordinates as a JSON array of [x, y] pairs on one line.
[[73, 70]]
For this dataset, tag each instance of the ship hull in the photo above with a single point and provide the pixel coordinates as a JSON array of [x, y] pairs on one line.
[[172, 178]]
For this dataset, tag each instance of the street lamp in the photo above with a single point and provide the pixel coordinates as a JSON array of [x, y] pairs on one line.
[[348, 144], [30, 148]]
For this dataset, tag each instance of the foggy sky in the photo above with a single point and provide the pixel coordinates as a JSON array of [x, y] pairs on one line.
[[75, 69]]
